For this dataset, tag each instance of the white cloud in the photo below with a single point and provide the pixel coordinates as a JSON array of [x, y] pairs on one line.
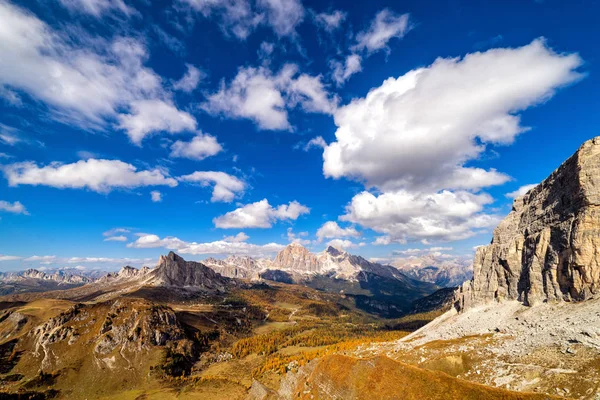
[[260, 215], [235, 17], [104, 260], [382, 240], [87, 82], [310, 93], [253, 94], [98, 8], [330, 21], [41, 259], [521, 191], [84, 154], [403, 215], [189, 82], [343, 244], [261, 96], [240, 237], [282, 15], [436, 251], [156, 196], [342, 72], [10, 97], [418, 131], [315, 142], [240, 19], [331, 229], [8, 135], [226, 187], [97, 175], [293, 238], [385, 26], [220, 247], [4, 257], [114, 231], [16, 208], [265, 50], [200, 147], [119, 238], [148, 116]]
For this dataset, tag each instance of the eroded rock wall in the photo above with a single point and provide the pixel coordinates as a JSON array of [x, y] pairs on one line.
[[548, 247]]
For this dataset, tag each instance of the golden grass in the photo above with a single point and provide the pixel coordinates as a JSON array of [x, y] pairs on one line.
[[385, 379]]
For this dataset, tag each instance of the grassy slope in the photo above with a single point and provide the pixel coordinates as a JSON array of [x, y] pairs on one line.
[[383, 378]]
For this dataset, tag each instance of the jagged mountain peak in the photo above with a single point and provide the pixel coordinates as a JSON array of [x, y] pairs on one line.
[[334, 251], [173, 270]]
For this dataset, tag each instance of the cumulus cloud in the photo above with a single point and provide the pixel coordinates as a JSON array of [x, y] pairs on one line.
[[386, 26], [97, 175], [156, 196], [521, 191], [97, 8], [403, 215], [418, 130], [148, 116], [189, 82], [88, 82], [240, 237], [200, 147], [15, 208], [263, 97], [260, 215], [341, 72], [331, 229], [219, 247], [225, 187], [330, 21], [342, 244]]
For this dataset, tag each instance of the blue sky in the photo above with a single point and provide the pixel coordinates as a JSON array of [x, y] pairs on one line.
[[130, 128]]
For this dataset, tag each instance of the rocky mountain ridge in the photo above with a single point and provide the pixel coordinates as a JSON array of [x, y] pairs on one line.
[[451, 272], [60, 277]]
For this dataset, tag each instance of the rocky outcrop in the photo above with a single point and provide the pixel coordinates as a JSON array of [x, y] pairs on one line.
[[172, 270], [297, 258], [237, 267], [548, 247]]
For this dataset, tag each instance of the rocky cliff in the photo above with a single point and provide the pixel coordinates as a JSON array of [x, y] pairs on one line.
[[548, 247], [297, 258], [172, 270]]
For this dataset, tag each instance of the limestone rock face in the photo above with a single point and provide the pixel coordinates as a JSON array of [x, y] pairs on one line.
[[172, 270], [297, 258], [548, 247], [238, 266]]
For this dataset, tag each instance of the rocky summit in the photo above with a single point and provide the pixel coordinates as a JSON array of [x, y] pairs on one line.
[[174, 271], [546, 249]]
